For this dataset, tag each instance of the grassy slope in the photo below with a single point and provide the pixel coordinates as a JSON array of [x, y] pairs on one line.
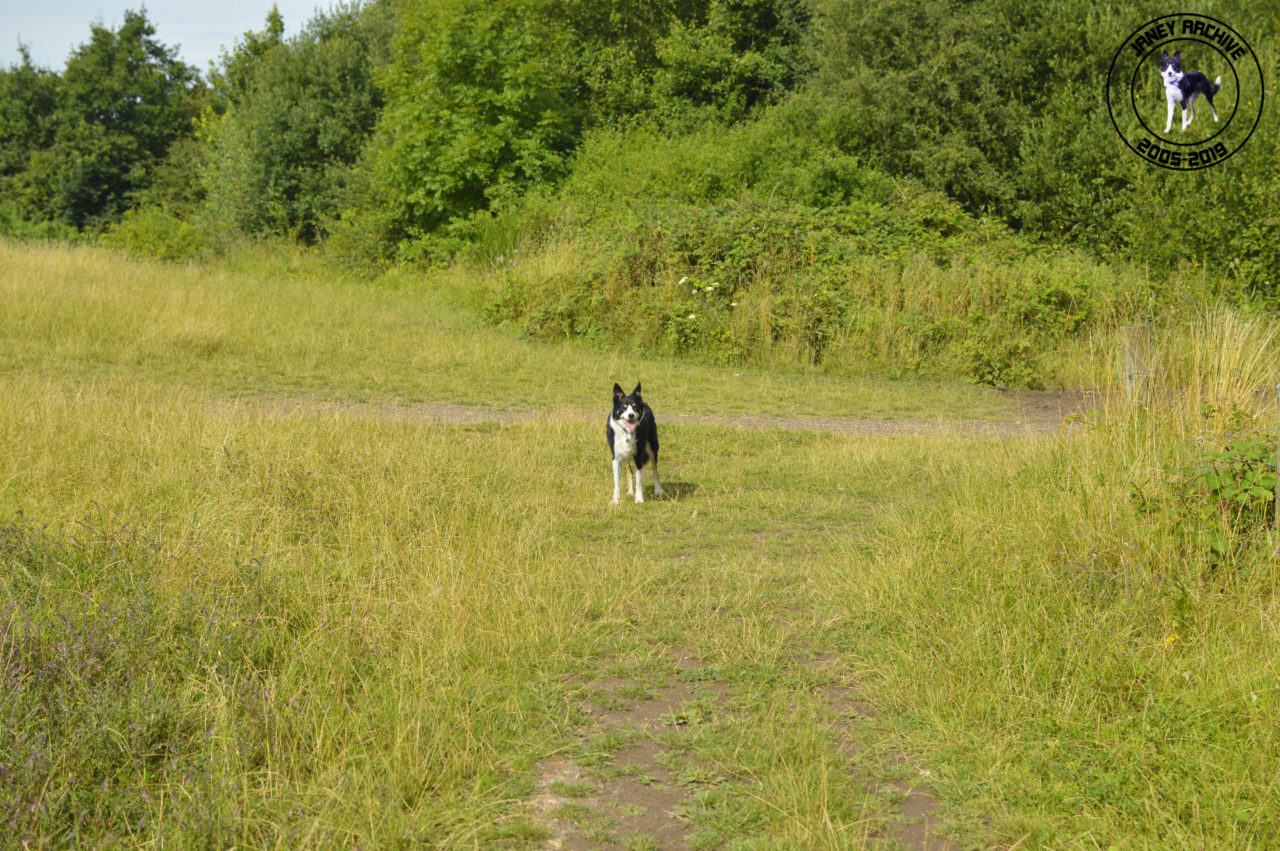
[[293, 333], [313, 628]]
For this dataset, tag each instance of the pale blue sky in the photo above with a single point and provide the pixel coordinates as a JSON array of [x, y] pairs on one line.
[[200, 30]]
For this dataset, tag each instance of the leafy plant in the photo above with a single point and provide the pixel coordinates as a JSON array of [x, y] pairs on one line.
[[152, 232], [1225, 500], [299, 116], [1240, 483]]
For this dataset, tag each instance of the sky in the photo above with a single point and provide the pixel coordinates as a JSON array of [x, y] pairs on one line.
[[199, 29]]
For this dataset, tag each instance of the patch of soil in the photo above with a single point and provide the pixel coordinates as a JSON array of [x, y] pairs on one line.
[[1055, 406], [917, 823], [626, 796], [635, 794]]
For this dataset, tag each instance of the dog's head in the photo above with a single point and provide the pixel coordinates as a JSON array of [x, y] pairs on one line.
[[627, 407], [1170, 66]]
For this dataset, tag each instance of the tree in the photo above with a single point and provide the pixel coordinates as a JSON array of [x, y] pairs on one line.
[[740, 55], [28, 102], [488, 98], [483, 105], [298, 115], [232, 77], [123, 100]]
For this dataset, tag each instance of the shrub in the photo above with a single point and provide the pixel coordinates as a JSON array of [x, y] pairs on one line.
[[1221, 505], [152, 232]]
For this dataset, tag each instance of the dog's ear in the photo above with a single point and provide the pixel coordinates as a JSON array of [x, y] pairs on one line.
[[1177, 56], [1164, 54], [617, 392], [636, 392]]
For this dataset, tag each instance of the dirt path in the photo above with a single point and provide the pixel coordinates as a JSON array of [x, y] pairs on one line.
[[1038, 412]]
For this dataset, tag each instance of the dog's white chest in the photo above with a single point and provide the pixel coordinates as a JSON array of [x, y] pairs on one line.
[[624, 440]]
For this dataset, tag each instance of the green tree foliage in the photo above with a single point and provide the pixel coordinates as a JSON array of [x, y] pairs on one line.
[[998, 104], [483, 104], [488, 99], [995, 103], [233, 76], [732, 57], [122, 100], [298, 114], [28, 102], [943, 91]]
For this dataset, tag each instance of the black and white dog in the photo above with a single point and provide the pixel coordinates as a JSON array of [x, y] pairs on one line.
[[1184, 88], [633, 439]]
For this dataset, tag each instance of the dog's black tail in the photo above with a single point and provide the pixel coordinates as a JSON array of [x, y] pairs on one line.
[[1217, 84]]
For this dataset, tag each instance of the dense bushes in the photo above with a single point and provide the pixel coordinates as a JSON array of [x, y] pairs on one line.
[[911, 287], [991, 104], [488, 100]]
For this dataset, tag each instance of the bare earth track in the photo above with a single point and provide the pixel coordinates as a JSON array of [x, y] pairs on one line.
[[1037, 412]]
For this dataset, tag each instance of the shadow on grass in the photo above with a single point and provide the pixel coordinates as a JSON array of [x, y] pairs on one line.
[[678, 490]]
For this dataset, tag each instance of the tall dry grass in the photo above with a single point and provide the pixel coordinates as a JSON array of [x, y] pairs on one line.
[[1075, 658]]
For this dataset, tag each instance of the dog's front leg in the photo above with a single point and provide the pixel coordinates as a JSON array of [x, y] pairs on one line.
[[1168, 123], [617, 478]]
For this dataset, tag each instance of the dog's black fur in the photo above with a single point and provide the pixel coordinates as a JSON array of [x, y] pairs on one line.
[[632, 433]]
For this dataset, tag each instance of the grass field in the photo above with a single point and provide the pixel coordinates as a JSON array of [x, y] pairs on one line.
[[230, 621]]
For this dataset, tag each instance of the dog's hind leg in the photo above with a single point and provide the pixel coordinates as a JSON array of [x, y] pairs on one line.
[[657, 488], [639, 485]]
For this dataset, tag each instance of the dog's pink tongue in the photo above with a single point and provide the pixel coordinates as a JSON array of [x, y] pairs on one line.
[[630, 426]]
